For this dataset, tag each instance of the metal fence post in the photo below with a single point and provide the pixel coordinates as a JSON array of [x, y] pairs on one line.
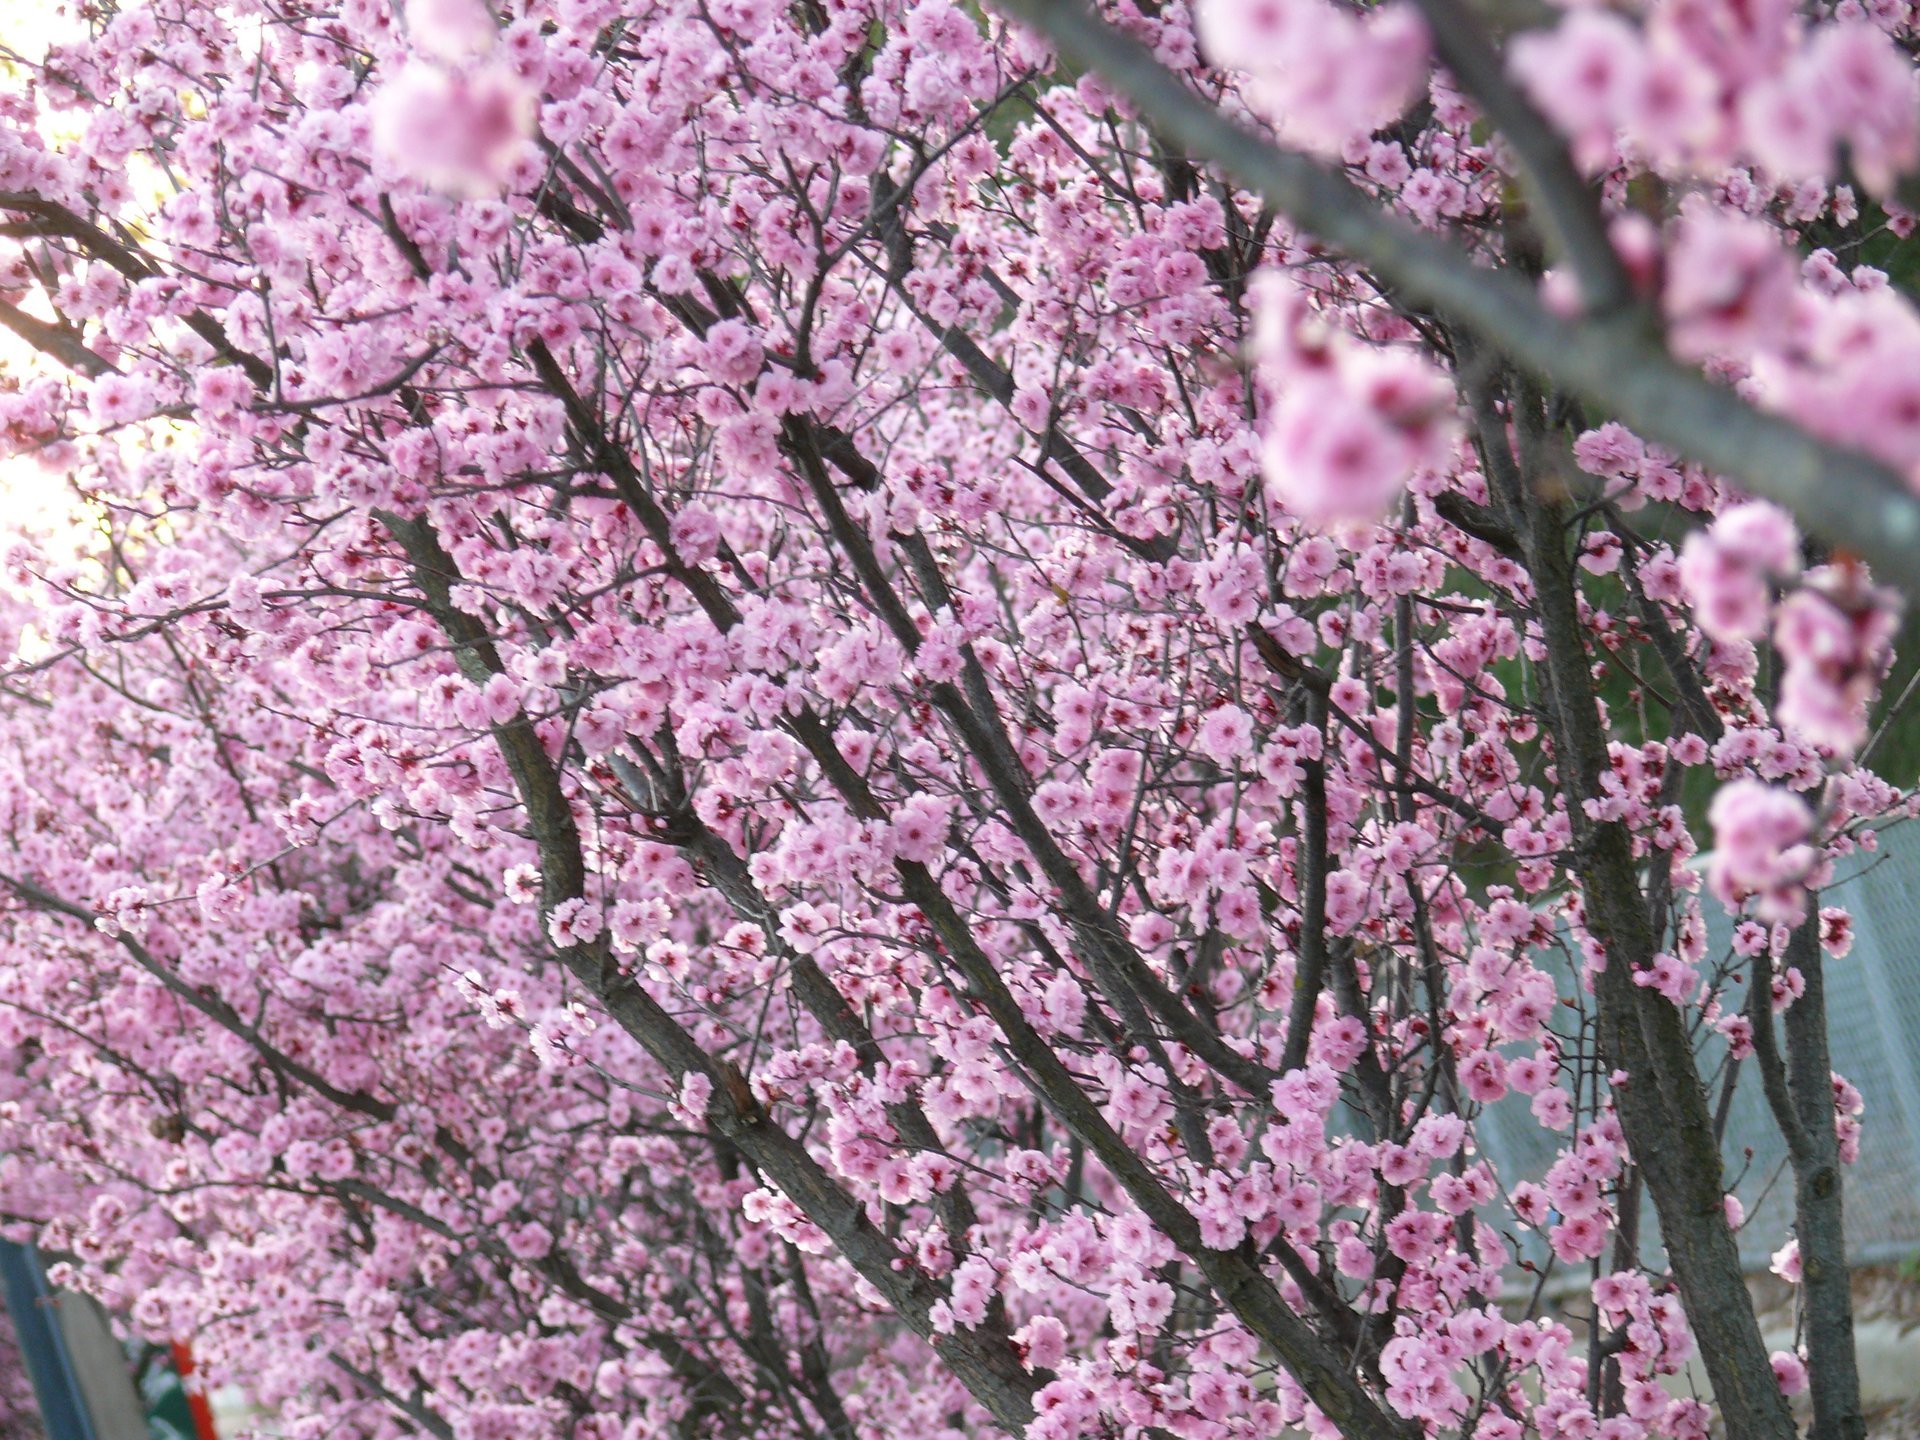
[[63, 1410]]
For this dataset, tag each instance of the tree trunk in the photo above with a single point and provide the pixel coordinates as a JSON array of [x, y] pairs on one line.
[[1662, 1103]]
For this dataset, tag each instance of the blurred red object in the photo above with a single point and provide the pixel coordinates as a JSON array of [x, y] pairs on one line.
[[203, 1427]]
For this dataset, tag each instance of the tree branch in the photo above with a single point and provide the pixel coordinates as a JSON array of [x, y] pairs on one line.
[[1567, 204], [55, 341]]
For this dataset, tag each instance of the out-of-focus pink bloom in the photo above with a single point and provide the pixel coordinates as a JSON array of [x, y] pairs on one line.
[[1322, 75], [1867, 89], [1585, 74], [456, 131], [1730, 285], [1350, 423], [1736, 45], [1836, 637], [1761, 837], [1330, 460], [451, 30], [1696, 85], [1786, 129], [1244, 32], [1726, 570], [1761, 534]]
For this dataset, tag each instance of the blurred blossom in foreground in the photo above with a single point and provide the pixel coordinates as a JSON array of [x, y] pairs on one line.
[[1761, 837], [458, 132], [451, 30]]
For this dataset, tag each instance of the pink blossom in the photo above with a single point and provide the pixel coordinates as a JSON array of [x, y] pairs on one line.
[[920, 828], [802, 596], [1044, 1340], [1836, 931], [530, 1241], [1226, 734], [1323, 75], [1230, 586], [1672, 977], [1553, 1108], [521, 884], [696, 534], [221, 391], [1836, 636], [1342, 450], [1789, 1371], [1333, 463], [1247, 31], [1729, 284], [802, 927], [456, 131], [973, 1287], [119, 400], [1763, 536], [1761, 836], [1586, 74], [1581, 1238], [1868, 89], [1485, 1076], [573, 922], [450, 30], [733, 353], [1728, 568]]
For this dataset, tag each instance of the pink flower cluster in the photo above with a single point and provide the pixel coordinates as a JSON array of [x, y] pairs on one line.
[[1835, 634], [1349, 423], [1730, 568], [1691, 89], [457, 120], [1763, 847], [708, 766], [1324, 76]]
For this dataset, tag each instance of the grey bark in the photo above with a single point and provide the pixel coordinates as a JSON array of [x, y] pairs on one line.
[[1662, 1104], [1826, 1294]]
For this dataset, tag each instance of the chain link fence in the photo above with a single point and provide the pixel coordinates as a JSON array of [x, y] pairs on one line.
[[1873, 1003]]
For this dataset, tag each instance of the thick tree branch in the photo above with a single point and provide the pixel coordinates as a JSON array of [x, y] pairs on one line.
[[55, 341]]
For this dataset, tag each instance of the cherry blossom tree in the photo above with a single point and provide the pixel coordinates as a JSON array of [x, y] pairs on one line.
[[875, 719]]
